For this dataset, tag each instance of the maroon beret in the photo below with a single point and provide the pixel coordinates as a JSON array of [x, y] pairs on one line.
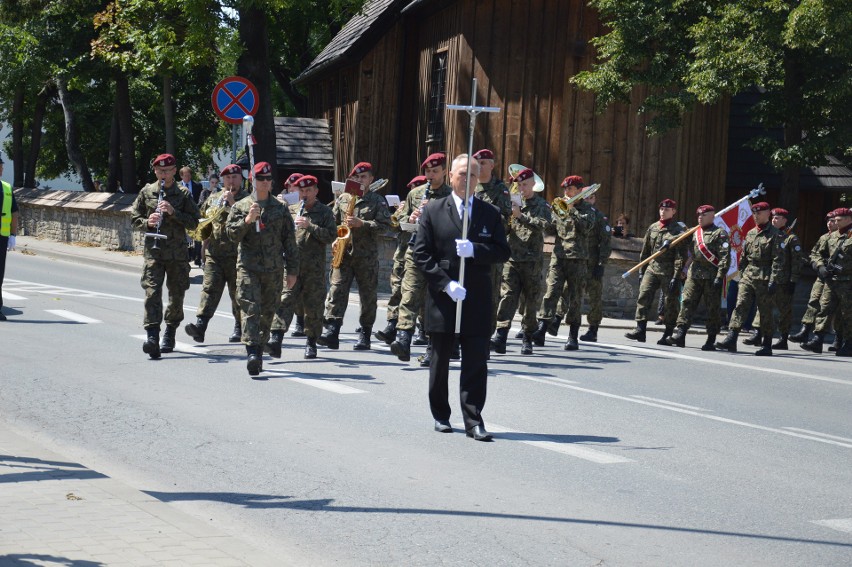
[[705, 209], [779, 211], [305, 181], [361, 167], [843, 212], [761, 206], [262, 168], [524, 174], [293, 178], [483, 154], [574, 180], [163, 160], [231, 170], [668, 204], [434, 160], [417, 181]]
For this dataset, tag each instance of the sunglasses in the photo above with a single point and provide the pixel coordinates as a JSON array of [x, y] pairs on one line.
[[264, 178]]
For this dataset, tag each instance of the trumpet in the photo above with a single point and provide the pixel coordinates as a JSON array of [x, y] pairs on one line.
[[156, 234], [562, 205]]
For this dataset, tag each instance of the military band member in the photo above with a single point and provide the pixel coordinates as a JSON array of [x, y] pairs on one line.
[[600, 248], [662, 273], [220, 266], [263, 229], [762, 266], [711, 257], [370, 218], [522, 273], [315, 229], [793, 261], [413, 298], [166, 259], [568, 261], [287, 315]]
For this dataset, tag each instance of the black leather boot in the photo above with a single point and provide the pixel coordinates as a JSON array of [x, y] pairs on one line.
[[527, 344], [254, 363], [168, 342], [330, 337], [678, 337], [571, 343], [781, 343], [273, 345], [311, 348], [388, 334], [498, 341], [590, 336], [803, 335], [766, 350], [540, 332], [196, 330], [236, 334], [638, 334], [151, 346], [425, 359], [299, 327], [667, 332], [456, 352], [845, 349], [815, 344], [709, 346], [519, 334], [363, 338], [420, 338], [754, 339], [838, 342], [401, 347], [729, 343], [553, 326]]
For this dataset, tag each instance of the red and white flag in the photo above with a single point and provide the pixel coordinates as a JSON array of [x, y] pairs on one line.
[[737, 222]]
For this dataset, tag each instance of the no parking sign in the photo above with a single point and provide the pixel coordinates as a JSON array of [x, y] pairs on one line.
[[233, 98]]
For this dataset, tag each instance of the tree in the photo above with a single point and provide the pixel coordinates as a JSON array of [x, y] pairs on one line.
[[796, 53]]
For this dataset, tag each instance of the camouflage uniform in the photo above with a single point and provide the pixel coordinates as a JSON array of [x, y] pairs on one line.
[[793, 259], [361, 261], [220, 267], [838, 285], [396, 274], [568, 261], [811, 313], [262, 258], [661, 270], [703, 272], [600, 247], [762, 264], [522, 273], [170, 260], [308, 294], [495, 192]]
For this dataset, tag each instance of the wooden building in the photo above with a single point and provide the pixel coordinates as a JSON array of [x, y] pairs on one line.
[[383, 83]]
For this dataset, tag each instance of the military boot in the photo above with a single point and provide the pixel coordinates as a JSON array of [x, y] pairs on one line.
[[754, 339], [845, 349], [455, 354], [590, 336], [803, 335], [299, 327], [815, 344], [196, 330], [709, 346], [553, 326], [498, 341], [425, 359], [330, 337], [729, 343], [236, 334], [781, 343], [540, 332], [401, 347], [273, 345], [311, 348], [420, 338], [388, 334], [519, 334], [678, 338], [571, 343], [254, 363], [363, 338], [168, 342], [667, 332], [838, 342], [766, 349], [527, 344], [151, 346], [638, 334]]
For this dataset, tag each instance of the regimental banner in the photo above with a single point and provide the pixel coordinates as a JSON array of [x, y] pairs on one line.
[[737, 222]]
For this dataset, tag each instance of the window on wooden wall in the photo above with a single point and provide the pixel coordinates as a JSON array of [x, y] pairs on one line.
[[437, 98]]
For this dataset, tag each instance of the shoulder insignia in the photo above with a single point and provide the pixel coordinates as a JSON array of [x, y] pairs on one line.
[[798, 248], [681, 224], [783, 245], [608, 228], [725, 245]]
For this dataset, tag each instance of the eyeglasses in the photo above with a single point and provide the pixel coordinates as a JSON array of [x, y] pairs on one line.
[[264, 178]]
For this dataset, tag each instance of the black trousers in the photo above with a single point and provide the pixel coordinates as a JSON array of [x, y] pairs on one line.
[[473, 381], [4, 242]]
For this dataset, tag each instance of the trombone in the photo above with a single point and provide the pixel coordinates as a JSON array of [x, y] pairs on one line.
[[562, 205]]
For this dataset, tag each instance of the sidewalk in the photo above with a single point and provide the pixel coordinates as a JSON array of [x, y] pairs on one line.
[[61, 512]]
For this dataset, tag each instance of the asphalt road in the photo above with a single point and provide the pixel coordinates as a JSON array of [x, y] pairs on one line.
[[618, 454]]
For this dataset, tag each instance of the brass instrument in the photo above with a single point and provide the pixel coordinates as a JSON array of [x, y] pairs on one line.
[[204, 230], [377, 185], [344, 236], [562, 205], [515, 193], [156, 234]]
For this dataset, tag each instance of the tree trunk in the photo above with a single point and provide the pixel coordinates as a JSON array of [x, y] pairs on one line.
[[125, 130], [790, 175], [35, 134], [253, 64], [169, 114], [18, 137], [72, 136], [114, 159]]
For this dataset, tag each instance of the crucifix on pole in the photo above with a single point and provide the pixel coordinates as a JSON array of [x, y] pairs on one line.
[[473, 111]]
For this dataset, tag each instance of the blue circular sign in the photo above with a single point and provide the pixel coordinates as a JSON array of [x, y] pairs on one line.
[[233, 98]]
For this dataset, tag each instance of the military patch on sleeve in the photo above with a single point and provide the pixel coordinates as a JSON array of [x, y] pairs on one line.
[[798, 248], [608, 228], [783, 245], [725, 245]]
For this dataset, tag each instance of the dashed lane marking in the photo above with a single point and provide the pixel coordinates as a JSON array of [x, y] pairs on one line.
[[322, 384], [840, 524], [818, 434], [71, 316], [666, 402], [13, 297]]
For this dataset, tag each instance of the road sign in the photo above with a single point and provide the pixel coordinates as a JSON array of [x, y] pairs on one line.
[[233, 98]]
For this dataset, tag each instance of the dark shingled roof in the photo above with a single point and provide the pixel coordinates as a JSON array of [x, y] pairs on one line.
[[301, 143]]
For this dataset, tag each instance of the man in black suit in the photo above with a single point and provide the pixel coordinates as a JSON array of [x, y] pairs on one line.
[[438, 250]]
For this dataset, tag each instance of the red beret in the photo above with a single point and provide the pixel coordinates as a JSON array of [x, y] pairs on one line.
[[523, 175], [361, 167], [705, 209], [262, 168], [163, 160], [843, 212], [231, 170], [668, 204], [417, 181], [434, 160], [293, 178], [779, 211], [761, 206], [574, 180], [305, 181], [484, 154]]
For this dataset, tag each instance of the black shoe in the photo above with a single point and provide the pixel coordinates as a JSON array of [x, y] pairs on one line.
[[766, 350], [151, 346], [273, 345], [330, 337], [571, 343], [540, 332], [363, 338], [666, 334], [527, 345], [401, 347], [299, 327], [443, 426], [845, 349], [754, 339], [498, 341], [2, 317], [420, 339], [729, 343], [709, 346], [838, 342], [519, 334], [168, 342], [803, 335], [553, 326], [678, 338], [311, 348], [236, 334], [196, 330], [478, 433], [388, 334], [781, 344], [425, 359], [590, 336], [638, 334], [456, 352], [815, 344], [254, 364]]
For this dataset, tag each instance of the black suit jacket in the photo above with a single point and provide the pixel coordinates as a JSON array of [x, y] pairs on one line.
[[434, 252]]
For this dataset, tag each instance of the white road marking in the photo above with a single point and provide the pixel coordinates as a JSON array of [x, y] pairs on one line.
[[818, 434], [328, 385], [13, 297], [70, 315], [840, 524], [659, 401], [561, 384], [180, 347]]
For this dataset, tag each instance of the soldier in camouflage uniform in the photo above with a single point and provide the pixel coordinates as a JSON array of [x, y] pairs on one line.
[[711, 257], [568, 261], [220, 265], [165, 258], [793, 261], [662, 273], [315, 229], [370, 218], [600, 247], [263, 229], [762, 265], [388, 334], [522, 273], [413, 299], [286, 315]]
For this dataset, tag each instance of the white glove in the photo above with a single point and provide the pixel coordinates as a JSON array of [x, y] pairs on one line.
[[464, 248], [455, 291], [11, 245]]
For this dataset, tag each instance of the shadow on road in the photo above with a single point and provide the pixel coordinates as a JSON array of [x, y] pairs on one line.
[[23, 559], [37, 470]]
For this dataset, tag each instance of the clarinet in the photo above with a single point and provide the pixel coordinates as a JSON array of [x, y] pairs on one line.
[[156, 234], [302, 208]]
